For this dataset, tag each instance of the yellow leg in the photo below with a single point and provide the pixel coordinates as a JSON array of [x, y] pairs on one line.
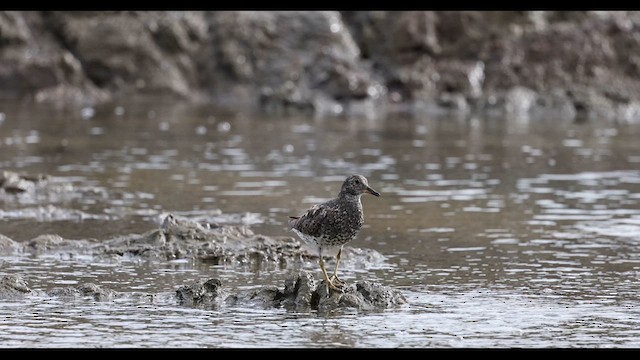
[[329, 281], [335, 277]]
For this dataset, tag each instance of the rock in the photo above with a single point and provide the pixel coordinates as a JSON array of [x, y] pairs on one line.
[[45, 242], [56, 245], [14, 183], [90, 290], [134, 52], [96, 292], [31, 188], [264, 297], [207, 293], [13, 28], [67, 292], [425, 54], [364, 295], [296, 60], [13, 286], [34, 61], [300, 293], [8, 246], [521, 102]]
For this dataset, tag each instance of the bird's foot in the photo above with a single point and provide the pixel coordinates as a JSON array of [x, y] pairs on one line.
[[338, 288], [337, 281], [332, 284]]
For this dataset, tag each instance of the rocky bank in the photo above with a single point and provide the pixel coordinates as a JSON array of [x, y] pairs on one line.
[[519, 63]]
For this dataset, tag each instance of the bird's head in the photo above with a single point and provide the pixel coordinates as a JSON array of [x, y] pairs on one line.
[[357, 185]]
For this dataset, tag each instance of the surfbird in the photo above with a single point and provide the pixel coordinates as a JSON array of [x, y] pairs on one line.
[[334, 223]]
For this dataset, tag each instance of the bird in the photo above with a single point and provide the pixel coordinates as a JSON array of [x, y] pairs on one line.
[[334, 223]]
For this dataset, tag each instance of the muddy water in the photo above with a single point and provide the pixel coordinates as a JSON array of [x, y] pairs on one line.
[[500, 232]]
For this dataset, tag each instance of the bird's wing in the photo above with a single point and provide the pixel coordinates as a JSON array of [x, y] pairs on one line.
[[314, 219]]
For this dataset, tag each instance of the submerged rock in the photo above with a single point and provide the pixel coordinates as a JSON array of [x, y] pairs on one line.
[[46, 242], [43, 189], [207, 293], [91, 290], [13, 286], [55, 244], [8, 246], [15, 183]]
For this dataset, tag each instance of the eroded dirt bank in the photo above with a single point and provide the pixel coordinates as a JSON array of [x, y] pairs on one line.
[[563, 63]]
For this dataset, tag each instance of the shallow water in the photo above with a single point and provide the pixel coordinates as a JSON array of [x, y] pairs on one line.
[[500, 232]]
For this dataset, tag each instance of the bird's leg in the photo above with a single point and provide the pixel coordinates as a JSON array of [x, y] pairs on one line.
[[335, 277], [329, 281]]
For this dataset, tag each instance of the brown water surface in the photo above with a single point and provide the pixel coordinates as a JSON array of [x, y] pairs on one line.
[[502, 232]]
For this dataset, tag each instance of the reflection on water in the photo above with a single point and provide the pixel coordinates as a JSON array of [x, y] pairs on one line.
[[502, 232]]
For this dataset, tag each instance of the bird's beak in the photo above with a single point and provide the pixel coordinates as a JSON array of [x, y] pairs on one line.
[[371, 191]]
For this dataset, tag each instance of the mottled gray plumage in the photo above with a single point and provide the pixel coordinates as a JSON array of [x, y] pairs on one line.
[[334, 222]]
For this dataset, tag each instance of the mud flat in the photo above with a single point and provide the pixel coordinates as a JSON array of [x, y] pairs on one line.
[[183, 238]]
